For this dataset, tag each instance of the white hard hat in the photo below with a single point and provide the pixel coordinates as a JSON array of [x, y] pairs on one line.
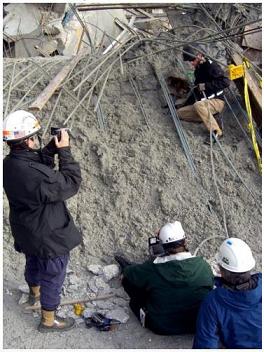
[[171, 232], [19, 125], [235, 255]]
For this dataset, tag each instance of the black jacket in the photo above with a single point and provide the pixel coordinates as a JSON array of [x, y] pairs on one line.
[[40, 222], [214, 78]]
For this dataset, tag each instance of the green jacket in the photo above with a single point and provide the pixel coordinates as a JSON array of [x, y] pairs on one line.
[[174, 291]]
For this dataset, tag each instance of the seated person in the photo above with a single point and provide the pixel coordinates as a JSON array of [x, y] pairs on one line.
[[230, 315], [168, 291]]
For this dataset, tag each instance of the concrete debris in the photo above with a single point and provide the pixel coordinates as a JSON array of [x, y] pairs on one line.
[[21, 20], [118, 314], [110, 271], [97, 285], [95, 269], [253, 40], [87, 313], [74, 280], [121, 302], [103, 304], [24, 288], [23, 298]]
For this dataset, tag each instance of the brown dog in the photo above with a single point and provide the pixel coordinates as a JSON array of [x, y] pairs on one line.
[[179, 87]]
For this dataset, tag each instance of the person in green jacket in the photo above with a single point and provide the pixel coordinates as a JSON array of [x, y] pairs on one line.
[[165, 294]]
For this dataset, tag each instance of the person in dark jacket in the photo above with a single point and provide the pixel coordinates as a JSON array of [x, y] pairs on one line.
[[41, 225], [166, 293], [231, 314], [210, 82]]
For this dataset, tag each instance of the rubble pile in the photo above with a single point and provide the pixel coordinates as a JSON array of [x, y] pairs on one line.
[[135, 176]]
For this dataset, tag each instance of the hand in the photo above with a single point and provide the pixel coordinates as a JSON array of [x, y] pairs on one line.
[[64, 141], [201, 87]]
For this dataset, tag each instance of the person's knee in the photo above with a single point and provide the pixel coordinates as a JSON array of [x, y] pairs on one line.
[[198, 105], [178, 112]]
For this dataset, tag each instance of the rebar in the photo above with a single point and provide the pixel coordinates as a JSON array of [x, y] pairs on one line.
[[238, 175], [258, 136], [103, 87], [65, 90], [32, 87], [9, 90], [52, 113], [17, 75], [177, 122], [83, 25], [135, 89], [236, 118], [101, 63]]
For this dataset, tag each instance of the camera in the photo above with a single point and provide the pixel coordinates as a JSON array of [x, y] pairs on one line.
[[155, 247], [56, 131]]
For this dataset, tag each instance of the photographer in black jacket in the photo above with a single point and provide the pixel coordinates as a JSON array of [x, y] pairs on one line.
[[41, 225], [210, 82]]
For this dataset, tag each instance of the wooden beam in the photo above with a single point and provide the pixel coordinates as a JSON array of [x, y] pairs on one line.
[[252, 83], [74, 301], [54, 84]]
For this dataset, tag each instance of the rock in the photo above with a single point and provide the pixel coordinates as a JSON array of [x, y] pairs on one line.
[[120, 292], [24, 288], [110, 271], [74, 280], [97, 284], [96, 269], [118, 314], [23, 298], [8, 292], [103, 304], [121, 302], [87, 313]]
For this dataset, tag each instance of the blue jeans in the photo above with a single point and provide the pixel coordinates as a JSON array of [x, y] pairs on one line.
[[49, 274]]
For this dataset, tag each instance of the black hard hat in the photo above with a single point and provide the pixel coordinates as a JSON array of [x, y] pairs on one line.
[[189, 53]]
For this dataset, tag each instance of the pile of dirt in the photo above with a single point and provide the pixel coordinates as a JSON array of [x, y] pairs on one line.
[[136, 178]]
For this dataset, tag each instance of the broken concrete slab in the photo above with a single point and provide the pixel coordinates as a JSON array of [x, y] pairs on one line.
[[110, 271], [253, 40], [118, 314], [21, 20], [23, 299], [96, 269]]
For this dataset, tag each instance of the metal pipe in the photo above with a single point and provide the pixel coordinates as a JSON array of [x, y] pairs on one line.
[[87, 7]]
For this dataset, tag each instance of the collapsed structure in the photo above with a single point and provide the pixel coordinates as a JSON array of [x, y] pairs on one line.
[[138, 170]]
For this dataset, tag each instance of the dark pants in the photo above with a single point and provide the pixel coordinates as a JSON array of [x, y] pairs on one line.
[[49, 274], [138, 297]]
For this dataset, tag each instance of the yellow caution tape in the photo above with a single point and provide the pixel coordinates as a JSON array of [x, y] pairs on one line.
[[250, 121], [235, 71], [249, 65]]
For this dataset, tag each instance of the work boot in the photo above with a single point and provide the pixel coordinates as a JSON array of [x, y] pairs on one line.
[[50, 322], [215, 137], [33, 297], [122, 261]]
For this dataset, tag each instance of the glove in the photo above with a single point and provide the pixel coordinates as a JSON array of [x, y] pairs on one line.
[[50, 149], [201, 87]]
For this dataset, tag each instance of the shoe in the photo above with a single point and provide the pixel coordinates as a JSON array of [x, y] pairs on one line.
[[215, 137], [50, 322], [122, 261], [33, 298]]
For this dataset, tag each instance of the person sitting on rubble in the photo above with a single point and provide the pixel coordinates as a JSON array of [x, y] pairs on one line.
[[165, 293], [231, 314], [210, 82], [41, 225]]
